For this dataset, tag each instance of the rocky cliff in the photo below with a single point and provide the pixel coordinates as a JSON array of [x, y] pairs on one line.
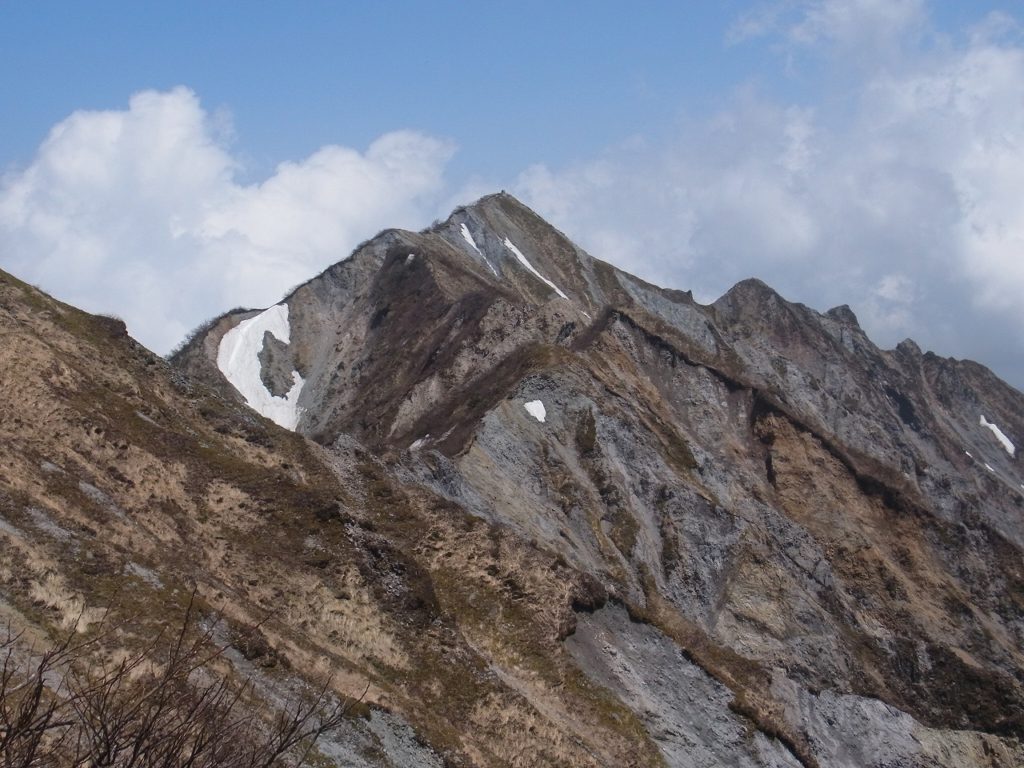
[[551, 514]]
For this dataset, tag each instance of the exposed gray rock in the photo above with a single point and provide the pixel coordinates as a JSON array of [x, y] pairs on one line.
[[686, 712], [753, 473]]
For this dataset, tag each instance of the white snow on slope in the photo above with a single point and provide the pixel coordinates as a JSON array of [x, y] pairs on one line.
[[529, 266], [468, 237], [536, 409], [1010, 449], [238, 359]]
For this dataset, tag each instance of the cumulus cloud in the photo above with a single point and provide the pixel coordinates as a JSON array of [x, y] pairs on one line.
[[897, 191], [139, 212], [902, 199]]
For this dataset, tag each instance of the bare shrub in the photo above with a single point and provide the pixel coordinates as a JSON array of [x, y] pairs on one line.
[[163, 707]]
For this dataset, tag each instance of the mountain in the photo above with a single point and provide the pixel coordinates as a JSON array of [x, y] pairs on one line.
[[548, 513]]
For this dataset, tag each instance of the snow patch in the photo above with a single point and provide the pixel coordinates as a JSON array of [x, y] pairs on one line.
[[417, 444], [468, 237], [969, 454], [529, 266], [410, 257], [989, 468], [536, 409], [1010, 449], [238, 359]]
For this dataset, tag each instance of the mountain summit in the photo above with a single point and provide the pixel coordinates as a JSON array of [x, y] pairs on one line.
[[548, 513]]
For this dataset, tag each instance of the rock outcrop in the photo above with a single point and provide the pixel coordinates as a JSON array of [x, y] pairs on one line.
[[550, 513]]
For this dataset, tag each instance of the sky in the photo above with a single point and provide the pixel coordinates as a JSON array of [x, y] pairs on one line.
[[165, 162]]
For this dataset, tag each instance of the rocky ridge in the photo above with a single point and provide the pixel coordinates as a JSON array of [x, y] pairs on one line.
[[734, 534]]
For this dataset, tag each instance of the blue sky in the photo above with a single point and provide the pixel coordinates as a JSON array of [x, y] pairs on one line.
[[868, 152], [512, 83]]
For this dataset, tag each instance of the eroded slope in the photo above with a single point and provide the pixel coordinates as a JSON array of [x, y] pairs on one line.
[[829, 532], [124, 484]]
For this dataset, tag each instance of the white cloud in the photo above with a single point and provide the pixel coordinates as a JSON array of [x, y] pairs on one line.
[[871, 24], [903, 200], [138, 212], [898, 194], [762, 19], [889, 304], [867, 26]]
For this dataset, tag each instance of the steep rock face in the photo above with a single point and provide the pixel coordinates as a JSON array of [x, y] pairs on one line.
[[125, 485], [828, 532], [376, 335], [739, 535]]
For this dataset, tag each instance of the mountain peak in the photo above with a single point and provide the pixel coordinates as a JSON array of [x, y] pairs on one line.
[[654, 441], [541, 511], [500, 198], [843, 314]]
